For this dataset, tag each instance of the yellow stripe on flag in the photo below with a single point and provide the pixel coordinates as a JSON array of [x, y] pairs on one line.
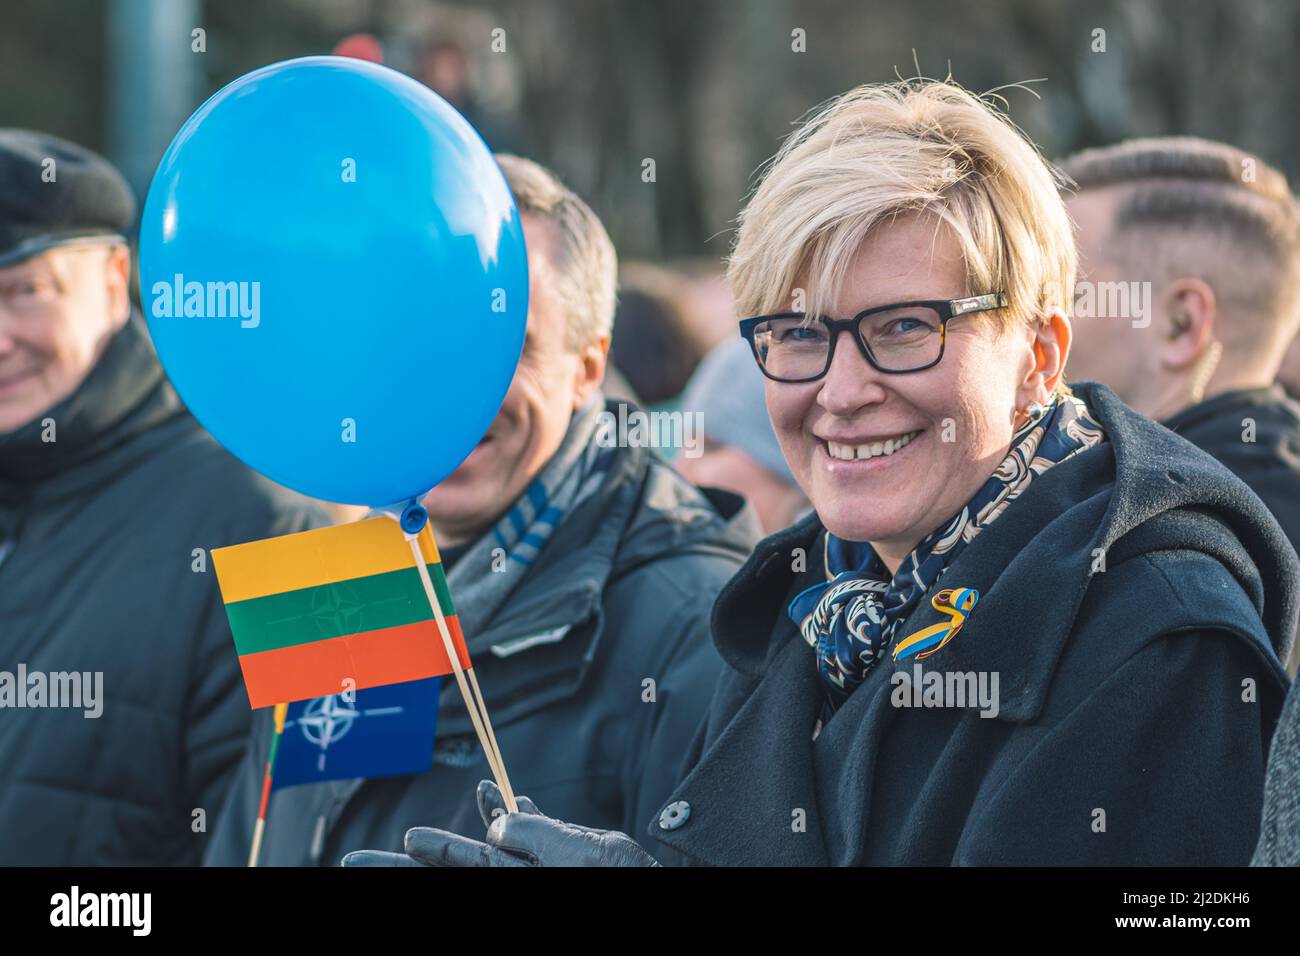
[[312, 558]]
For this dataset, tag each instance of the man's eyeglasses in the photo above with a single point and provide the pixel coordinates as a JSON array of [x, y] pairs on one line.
[[904, 337]]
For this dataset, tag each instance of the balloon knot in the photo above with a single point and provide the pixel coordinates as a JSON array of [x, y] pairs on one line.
[[414, 518]]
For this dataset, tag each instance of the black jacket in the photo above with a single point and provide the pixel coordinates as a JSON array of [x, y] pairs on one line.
[[620, 593], [1256, 433], [1136, 702], [101, 528]]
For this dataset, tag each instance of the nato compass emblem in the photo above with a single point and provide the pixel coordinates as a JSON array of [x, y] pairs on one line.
[[327, 720]]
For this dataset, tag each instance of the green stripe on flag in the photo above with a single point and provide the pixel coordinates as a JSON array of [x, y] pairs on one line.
[[334, 610]]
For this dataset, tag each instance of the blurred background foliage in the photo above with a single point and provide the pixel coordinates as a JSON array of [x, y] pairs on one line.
[[706, 89]]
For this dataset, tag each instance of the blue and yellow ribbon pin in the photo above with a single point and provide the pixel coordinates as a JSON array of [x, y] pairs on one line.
[[957, 604]]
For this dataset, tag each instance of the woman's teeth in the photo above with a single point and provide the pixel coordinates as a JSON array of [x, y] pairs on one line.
[[875, 449]]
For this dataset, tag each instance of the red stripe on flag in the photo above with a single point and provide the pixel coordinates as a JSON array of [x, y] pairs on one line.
[[390, 655]]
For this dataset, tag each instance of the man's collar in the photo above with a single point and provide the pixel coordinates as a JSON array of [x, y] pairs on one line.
[[1215, 405]]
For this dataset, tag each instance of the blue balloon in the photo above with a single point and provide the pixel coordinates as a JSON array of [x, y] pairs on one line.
[[334, 275]]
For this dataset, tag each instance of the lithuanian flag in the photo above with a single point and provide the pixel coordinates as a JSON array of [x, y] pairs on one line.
[[312, 610]]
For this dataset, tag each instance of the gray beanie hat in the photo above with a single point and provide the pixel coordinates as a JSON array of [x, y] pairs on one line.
[[727, 389]]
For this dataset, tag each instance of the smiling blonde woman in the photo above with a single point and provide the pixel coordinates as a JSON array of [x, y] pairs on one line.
[[1022, 626]]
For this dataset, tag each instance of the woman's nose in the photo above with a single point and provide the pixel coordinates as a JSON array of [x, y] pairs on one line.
[[850, 382]]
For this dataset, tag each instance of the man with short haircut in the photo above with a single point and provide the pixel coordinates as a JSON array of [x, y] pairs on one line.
[[1215, 233], [583, 573], [111, 501]]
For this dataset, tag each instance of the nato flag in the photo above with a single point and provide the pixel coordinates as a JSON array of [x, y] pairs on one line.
[[385, 731]]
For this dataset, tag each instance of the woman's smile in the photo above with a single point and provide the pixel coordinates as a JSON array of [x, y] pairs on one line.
[[853, 456]]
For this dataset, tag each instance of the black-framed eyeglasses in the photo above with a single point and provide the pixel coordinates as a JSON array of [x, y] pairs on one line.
[[899, 338]]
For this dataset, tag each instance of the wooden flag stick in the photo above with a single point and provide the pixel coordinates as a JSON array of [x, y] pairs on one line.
[[508, 792], [281, 712], [471, 704]]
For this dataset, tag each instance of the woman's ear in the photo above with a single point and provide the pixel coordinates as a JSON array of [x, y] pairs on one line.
[[1050, 346]]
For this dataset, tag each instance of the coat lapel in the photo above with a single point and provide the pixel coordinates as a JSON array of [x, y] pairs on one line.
[[1017, 629]]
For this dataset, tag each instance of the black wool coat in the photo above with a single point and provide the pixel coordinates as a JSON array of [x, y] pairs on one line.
[[1136, 698], [1255, 432]]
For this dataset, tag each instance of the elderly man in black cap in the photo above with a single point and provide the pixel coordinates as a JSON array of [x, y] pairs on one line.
[[121, 710]]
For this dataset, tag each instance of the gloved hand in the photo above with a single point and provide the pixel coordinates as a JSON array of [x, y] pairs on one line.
[[526, 838]]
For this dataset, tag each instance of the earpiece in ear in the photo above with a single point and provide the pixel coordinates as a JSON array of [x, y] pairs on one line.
[[1032, 412]]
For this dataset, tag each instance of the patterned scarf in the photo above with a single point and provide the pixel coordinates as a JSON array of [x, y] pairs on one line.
[[850, 619]]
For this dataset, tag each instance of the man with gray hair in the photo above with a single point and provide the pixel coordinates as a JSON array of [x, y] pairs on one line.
[[584, 575], [1187, 299]]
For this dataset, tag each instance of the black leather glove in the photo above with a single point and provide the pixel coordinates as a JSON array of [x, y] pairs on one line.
[[526, 838]]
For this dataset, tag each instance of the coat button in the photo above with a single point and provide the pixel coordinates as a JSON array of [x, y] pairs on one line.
[[674, 815]]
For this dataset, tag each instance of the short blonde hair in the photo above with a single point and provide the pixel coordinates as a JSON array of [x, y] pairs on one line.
[[884, 150], [583, 259]]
